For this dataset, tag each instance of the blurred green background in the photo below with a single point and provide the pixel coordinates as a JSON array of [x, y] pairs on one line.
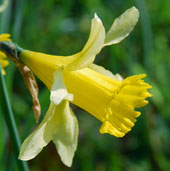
[[62, 27]]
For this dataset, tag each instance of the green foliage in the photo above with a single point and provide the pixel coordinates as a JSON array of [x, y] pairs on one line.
[[62, 27]]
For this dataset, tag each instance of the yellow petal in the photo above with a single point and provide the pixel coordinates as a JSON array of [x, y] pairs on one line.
[[3, 71], [92, 47], [122, 26], [2, 55], [5, 37], [3, 62]]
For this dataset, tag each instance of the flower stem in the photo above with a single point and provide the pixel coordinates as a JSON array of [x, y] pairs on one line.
[[10, 121]]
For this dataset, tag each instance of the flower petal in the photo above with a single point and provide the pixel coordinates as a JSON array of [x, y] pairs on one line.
[[66, 137], [3, 62], [35, 142], [59, 91], [59, 125], [105, 72], [92, 47], [3, 71], [2, 55], [122, 26], [5, 37]]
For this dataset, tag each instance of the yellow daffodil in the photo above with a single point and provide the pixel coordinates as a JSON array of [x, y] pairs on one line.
[[75, 79], [3, 62]]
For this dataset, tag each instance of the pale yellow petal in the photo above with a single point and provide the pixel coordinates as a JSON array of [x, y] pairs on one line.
[[66, 137], [59, 91], [45, 132], [104, 71], [92, 47], [59, 125], [122, 26]]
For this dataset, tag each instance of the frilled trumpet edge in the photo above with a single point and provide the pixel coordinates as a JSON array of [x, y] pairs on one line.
[[120, 113]]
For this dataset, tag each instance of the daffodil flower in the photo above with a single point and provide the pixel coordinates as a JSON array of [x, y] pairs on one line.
[[3, 62], [76, 79]]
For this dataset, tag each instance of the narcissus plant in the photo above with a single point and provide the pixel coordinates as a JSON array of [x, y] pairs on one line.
[[76, 79]]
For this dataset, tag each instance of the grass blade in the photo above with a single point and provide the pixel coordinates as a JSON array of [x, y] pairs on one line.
[[10, 121]]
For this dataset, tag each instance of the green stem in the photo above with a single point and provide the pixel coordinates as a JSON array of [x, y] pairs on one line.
[[10, 121]]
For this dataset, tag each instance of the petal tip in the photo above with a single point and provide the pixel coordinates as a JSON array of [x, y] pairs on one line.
[[107, 127], [97, 18]]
